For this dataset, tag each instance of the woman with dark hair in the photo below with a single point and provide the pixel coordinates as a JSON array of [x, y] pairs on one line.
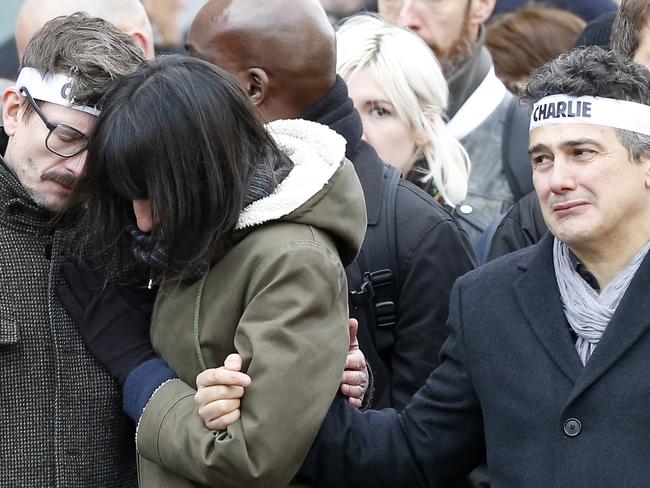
[[248, 232]]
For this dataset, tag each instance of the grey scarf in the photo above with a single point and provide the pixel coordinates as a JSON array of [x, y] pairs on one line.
[[269, 173], [587, 311]]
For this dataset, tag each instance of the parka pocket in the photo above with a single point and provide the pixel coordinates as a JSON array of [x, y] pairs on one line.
[[9, 332]]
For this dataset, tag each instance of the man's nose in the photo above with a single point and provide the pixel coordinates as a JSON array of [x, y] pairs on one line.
[[407, 15], [561, 178], [77, 164]]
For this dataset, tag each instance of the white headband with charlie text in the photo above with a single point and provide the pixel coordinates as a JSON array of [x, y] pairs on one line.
[[565, 109], [53, 88]]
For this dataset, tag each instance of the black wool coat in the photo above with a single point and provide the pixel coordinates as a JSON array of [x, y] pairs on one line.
[[511, 386]]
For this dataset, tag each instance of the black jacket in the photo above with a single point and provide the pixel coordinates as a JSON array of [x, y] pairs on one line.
[[511, 384], [432, 252], [521, 227]]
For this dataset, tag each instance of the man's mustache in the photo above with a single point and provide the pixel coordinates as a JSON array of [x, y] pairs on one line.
[[65, 179]]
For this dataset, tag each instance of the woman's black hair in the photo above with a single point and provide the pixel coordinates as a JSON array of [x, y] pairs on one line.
[[183, 134]]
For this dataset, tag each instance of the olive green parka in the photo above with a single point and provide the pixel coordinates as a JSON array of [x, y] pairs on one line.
[[278, 298]]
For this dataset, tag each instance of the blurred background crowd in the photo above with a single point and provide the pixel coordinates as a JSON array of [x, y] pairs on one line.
[[434, 88], [172, 18]]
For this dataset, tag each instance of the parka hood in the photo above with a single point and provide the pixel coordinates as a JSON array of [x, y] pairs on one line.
[[322, 188]]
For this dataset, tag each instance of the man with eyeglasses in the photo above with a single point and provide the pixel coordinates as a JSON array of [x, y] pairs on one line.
[[51, 178], [62, 423]]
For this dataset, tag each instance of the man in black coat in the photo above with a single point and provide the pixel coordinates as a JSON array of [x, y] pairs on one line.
[[545, 370], [283, 53]]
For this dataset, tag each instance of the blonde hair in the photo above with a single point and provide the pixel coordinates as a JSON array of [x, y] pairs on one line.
[[406, 70]]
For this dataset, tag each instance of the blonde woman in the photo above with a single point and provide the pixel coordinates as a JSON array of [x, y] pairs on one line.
[[397, 86]]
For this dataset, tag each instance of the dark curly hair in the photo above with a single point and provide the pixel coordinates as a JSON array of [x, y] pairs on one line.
[[596, 72]]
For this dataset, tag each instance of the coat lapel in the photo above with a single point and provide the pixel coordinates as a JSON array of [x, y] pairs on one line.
[[630, 321], [540, 301]]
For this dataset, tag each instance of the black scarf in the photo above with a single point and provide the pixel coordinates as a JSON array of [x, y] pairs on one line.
[[335, 110], [469, 75]]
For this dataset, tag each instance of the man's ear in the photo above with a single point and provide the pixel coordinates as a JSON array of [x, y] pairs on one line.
[[256, 85], [11, 102], [480, 11], [145, 42]]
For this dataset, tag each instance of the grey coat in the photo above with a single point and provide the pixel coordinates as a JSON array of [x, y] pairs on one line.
[[60, 413]]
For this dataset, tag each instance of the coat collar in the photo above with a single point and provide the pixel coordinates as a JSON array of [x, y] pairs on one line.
[[469, 75], [630, 321], [336, 111], [316, 152], [540, 301], [19, 210]]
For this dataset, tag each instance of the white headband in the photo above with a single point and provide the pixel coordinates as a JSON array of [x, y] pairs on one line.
[[565, 109], [53, 88]]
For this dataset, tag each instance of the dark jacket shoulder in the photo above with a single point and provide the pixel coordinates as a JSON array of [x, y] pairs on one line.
[[521, 227], [503, 269]]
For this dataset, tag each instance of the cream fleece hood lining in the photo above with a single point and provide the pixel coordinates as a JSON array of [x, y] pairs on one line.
[[316, 152]]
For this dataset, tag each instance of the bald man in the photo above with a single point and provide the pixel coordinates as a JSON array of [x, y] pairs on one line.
[[283, 53], [127, 15]]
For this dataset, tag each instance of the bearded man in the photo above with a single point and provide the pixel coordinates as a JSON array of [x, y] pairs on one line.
[[483, 115]]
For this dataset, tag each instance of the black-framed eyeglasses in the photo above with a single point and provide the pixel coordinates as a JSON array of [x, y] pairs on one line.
[[63, 140]]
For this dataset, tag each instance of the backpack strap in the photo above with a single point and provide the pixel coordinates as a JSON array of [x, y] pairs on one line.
[[378, 263], [514, 149]]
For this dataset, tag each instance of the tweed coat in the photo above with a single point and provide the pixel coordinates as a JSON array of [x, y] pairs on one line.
[[60, 413], [511, 385]]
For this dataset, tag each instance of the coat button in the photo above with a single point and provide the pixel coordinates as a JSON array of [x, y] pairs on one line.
[[572, 427]]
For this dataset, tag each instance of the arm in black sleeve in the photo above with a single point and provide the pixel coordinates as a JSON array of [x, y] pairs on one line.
[[436, 256], [436, 441]]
